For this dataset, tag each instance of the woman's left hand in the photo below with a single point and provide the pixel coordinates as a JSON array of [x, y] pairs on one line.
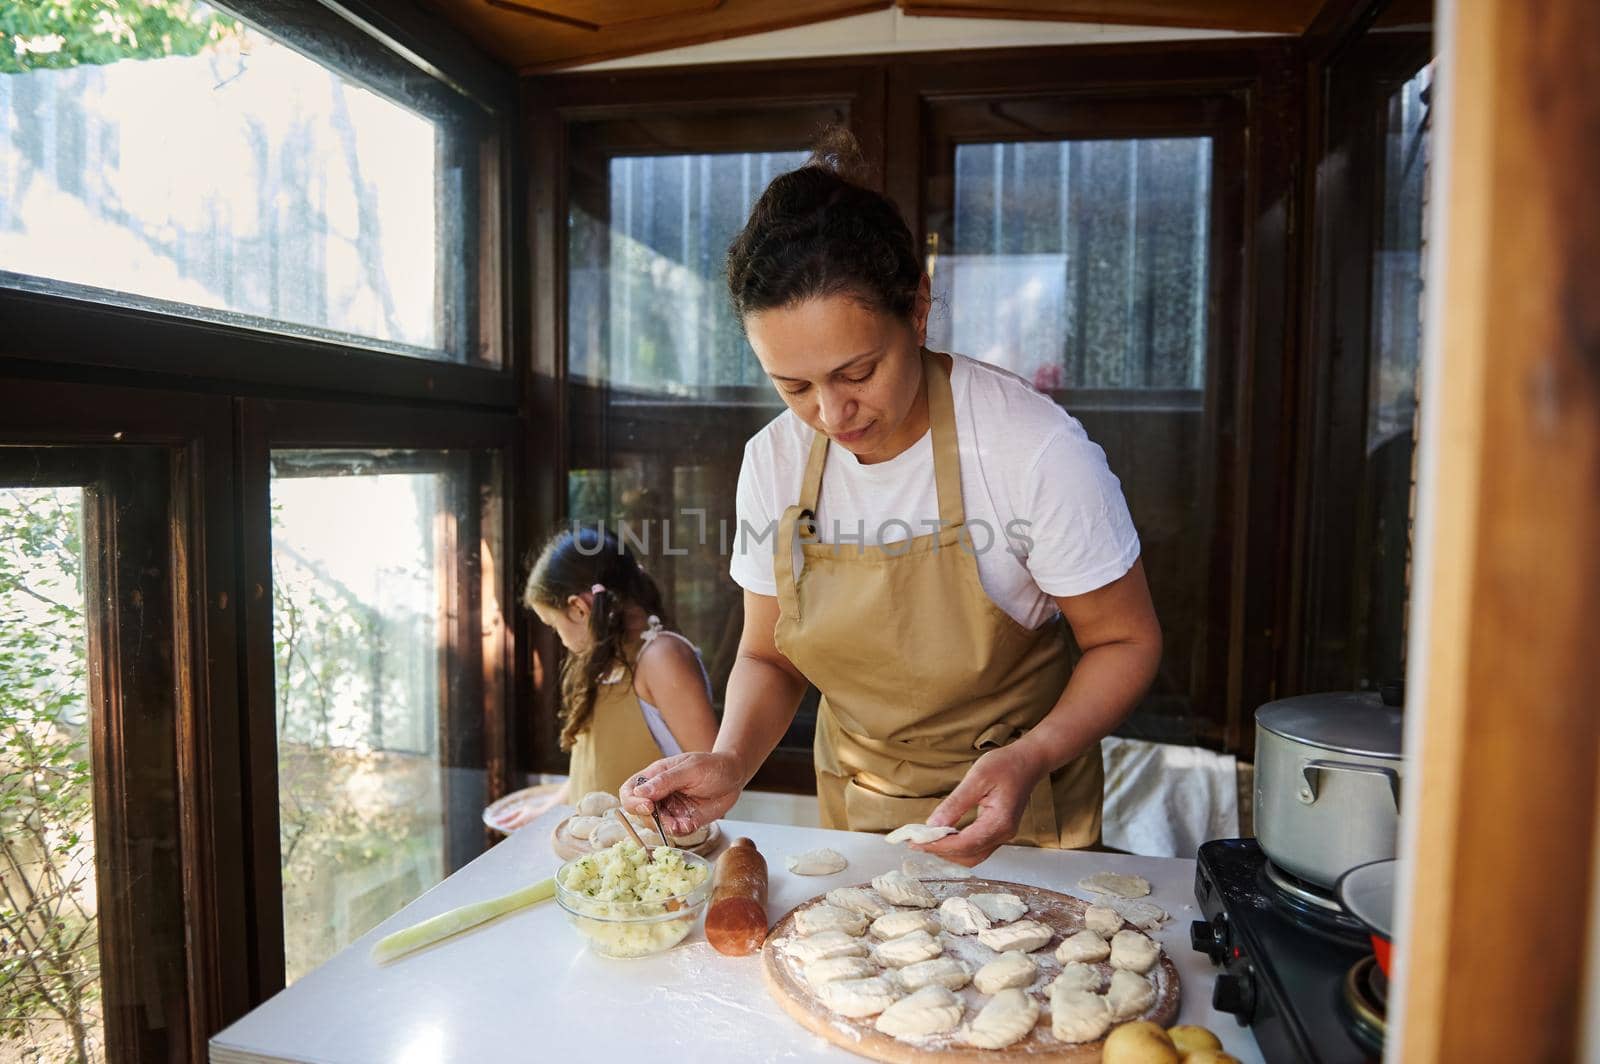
[[998, 785]]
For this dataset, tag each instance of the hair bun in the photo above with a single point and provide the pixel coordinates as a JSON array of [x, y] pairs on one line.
[[836, 149]]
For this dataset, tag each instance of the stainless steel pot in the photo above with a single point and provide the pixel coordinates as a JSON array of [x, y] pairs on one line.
[[1328, 771]]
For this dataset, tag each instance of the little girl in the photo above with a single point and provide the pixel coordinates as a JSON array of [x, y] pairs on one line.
[[628, 696]]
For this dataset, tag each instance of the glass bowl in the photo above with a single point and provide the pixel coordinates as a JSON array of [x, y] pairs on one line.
[[629, 929]]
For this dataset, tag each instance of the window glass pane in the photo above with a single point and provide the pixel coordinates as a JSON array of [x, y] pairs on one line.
[[171, 155], [665, 390], [50, 992], [368, 800], [1079, 264]]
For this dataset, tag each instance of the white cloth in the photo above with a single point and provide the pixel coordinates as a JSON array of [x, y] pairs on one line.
[[1034, 485], [1163, 800]]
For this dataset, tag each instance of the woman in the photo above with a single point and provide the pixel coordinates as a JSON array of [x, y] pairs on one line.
[[941, 655]]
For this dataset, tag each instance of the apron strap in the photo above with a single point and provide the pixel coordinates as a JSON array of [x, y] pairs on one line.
[[783, 562], [946, 452]]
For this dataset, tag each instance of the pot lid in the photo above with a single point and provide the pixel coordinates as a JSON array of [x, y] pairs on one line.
[[1351, 722], [1367, 893]]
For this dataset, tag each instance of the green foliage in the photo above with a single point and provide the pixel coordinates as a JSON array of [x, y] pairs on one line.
[[55, 34], [49, 961]]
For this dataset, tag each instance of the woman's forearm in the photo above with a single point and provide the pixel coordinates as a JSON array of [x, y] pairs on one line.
[[758, 708], [1104, 688]]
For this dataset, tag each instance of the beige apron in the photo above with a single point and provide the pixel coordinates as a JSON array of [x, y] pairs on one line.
[[919, 670], [625, 747]]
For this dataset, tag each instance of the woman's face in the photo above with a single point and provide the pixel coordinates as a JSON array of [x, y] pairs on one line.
[[571, 623], [848, 370]]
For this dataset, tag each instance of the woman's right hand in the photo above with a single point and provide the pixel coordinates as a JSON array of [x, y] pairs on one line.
[[688, 790]]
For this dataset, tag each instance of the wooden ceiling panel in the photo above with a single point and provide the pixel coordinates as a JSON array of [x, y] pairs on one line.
[[1258, 16], [539, 35]]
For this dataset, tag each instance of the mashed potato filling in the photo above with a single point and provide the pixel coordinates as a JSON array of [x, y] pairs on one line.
[[628, 898]]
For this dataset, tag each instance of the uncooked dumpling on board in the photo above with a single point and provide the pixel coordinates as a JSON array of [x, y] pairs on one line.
[[1085, 947], [918, 834], [1024, 935], [927, 1012], [583, 827], [860, 997], [1008, 969], [1134, 951], [960, 917], [836, 968], [897, 888], [608, 834], [1102, 920], [820, 918], [595, 803], [1075, 975], [1129, 994], [826, 945], [903, 922], [1078, 1016], [823, 862], [907, 949], [859, 900], [1116, 884], [942, 971], [1000, 908], [1007, 1018]]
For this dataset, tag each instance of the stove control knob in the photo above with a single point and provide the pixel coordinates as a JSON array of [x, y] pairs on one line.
[[1210, 937], [1235, 992]]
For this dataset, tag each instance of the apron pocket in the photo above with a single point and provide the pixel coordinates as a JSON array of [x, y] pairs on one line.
[[994, 736], [869, 810]]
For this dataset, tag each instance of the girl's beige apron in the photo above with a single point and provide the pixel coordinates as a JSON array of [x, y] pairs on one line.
[[626, 744], [919, 670]]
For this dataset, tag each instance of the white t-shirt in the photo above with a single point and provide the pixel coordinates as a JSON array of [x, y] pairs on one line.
[[1035, 487]]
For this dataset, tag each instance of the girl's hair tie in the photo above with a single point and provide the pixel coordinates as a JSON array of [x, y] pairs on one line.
[[598, 588]]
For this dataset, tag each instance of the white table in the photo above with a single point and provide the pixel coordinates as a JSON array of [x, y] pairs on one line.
[[525, 988]]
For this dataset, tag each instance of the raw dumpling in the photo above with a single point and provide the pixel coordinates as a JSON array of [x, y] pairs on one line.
[[823, 862], [608, 833], [929, 1011], [1078, 1015], [582, 827], [1085, 946], [595, 803], [919, 834], [1102, 920], [860, 997], [1076, 975], [960, 917], [1138, 913], [694, 838], [929, 866], [858, 900], [898, 888], [1000, 908], [1115, 883], [835, 968], [1008, 969], [821, 918], [941, 971], [903, 922], [1129, 994], [826, 945], [1007, 1018], [1024, 935], [907, 949], [1134, 951]]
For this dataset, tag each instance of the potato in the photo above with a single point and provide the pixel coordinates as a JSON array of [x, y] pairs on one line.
[[1139, 1043], [1210, 1056], [1190, 1039]]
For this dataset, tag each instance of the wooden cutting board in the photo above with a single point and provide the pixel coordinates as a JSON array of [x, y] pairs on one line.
[[1063, 913]]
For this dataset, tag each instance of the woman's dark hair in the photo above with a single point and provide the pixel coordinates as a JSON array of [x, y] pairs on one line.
[[572, 563], [820, 231]]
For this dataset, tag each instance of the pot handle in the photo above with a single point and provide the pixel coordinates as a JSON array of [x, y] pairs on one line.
[[1310, 769]]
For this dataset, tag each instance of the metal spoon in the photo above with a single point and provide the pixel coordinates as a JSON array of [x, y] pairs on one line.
[[656, 816]]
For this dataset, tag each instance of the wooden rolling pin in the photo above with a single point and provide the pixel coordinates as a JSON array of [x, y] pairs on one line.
[[736, 921]]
